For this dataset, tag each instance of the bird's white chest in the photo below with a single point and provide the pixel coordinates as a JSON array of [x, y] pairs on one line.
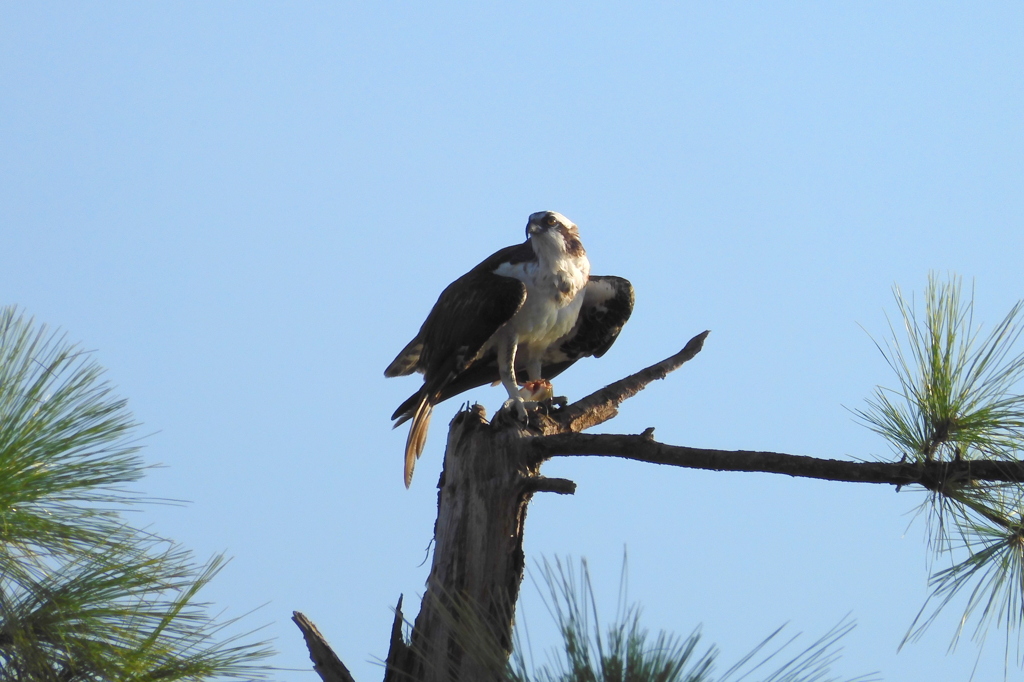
[[554, 296]]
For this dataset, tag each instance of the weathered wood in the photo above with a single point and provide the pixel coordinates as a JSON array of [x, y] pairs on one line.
[[463, 632], [602, 405], [464, 629], [398, 652], [643, 448], [325, 662]]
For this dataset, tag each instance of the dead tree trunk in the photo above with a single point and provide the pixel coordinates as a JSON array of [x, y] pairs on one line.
[[463, 632], [464, 628]]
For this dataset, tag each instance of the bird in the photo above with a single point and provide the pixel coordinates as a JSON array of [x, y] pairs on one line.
[[529, 309]]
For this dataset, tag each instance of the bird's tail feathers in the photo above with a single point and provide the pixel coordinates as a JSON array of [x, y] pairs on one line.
[[407, 409], [417, 436]]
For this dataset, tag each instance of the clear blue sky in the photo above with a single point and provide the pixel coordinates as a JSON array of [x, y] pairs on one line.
[[247, 209]]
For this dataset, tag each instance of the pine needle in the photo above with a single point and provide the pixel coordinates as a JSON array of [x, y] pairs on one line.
[[958, 399], [83, 595]]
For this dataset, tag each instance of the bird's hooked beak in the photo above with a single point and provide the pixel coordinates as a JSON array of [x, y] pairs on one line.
[[533, 228]]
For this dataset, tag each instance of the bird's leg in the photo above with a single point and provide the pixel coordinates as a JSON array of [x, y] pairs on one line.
[[507, 371]]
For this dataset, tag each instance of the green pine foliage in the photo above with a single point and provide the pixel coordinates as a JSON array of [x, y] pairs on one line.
[[83, 595], [625, 651], [958, 399]]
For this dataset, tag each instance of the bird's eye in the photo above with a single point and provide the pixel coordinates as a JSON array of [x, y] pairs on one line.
[[551, 221]]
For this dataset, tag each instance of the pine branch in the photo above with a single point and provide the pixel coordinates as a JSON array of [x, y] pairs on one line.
[[83, 594]]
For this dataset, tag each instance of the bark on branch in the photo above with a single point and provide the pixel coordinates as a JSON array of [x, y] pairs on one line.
[[325, 662], [643, 448], [564, 439], [600, 406]]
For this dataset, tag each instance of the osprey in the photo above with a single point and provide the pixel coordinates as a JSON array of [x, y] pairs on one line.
[[533, 309]]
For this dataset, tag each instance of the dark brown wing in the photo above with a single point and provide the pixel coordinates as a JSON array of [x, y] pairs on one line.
[[464, 319], [607, 305], [467, 314]]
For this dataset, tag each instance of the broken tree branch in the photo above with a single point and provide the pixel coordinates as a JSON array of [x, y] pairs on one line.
[[325, 662], [399, 657], [600, 406]]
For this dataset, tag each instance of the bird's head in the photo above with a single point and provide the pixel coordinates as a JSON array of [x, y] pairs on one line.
[[550, 229]]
